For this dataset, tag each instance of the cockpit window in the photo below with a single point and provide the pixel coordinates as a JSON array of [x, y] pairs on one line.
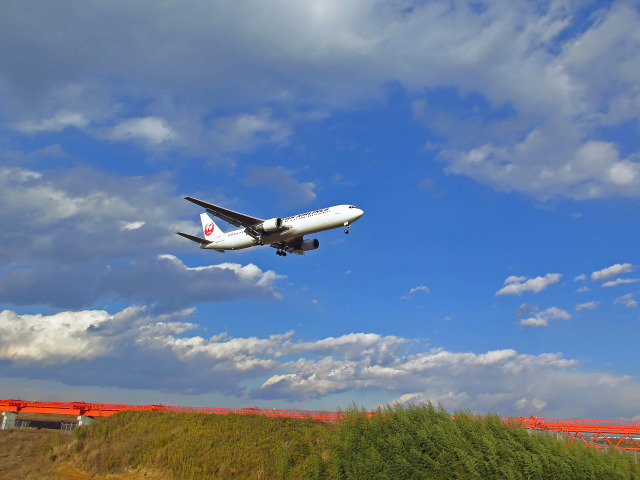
[[351, 206]]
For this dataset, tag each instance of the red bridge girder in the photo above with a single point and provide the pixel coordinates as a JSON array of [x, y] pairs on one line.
[[622, 434]]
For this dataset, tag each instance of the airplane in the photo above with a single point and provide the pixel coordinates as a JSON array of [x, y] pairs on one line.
[[286, 235]]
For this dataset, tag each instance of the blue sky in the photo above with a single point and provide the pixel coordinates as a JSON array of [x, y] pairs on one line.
[[494, 147]]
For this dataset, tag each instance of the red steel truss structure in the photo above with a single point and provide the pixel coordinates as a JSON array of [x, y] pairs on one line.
[[621, 434], [108, 409]]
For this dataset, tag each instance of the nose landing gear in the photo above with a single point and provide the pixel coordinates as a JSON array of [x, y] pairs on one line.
[[346, 227]]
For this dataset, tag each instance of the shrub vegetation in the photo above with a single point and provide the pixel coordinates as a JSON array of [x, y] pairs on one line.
[[415, 442], [427, 443]]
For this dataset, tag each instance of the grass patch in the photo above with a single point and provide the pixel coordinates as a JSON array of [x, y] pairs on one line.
[[193, 446], [396, 443], [29, 453]]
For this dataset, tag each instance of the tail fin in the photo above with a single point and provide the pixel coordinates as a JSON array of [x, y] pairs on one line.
[[209, 227]]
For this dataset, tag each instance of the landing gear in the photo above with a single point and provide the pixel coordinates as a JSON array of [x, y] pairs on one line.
[[282, 253], [346, 227]]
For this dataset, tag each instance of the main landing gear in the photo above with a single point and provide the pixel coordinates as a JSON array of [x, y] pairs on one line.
[[282, 253]]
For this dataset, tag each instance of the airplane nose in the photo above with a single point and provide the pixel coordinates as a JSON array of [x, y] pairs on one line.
[[358, 213]]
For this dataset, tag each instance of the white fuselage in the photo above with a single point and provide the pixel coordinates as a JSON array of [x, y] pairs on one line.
[[292, 227]]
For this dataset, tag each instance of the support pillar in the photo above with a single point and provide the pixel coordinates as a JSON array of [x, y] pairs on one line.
[[9, 420], [84, 420]]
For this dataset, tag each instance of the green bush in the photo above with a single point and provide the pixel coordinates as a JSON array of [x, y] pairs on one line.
[[428, 443]]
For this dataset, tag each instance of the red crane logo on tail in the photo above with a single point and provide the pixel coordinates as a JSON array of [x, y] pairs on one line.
[[208, 230]]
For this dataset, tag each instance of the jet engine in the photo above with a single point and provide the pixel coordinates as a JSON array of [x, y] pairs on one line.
[[309, 244], [270, 225]]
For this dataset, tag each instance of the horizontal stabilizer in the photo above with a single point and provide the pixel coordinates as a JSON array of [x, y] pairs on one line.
[[193, 238]]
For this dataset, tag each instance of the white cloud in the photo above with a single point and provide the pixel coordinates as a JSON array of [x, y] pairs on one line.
[[131, 225], [560, 80], [541, 319], [409, 398], [519, 285], [620, 281], [559, 156], [534, 404], [65, 227], [514, 279], [57, 123], [127, 348], [627, 300], [169, 284], [587, 306], [580, 278], [67, 215], [591, 170], [46, 197], [612, 271], [419, 288], [151, 130], [50, 339]]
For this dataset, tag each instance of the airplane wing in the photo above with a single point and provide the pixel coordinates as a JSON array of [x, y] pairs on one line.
[[291, 246], [234, 218]]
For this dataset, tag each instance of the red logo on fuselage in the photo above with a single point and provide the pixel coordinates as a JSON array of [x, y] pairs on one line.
[[208, 229]]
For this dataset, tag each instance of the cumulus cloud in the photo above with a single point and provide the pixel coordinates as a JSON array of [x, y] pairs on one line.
[[559, 156], [131, 225], [518, 285], [611, 272], [458, 380], [555, 80], [332, 374], [620, 281], [151, 130], [69, 236], [419, 288], [607, 275], [541, 319], [590, 170], [56, 123], [627, 300], [587, 306], [50, 339], [291, 191], [127, 347], [77, 214], [166, 281]]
